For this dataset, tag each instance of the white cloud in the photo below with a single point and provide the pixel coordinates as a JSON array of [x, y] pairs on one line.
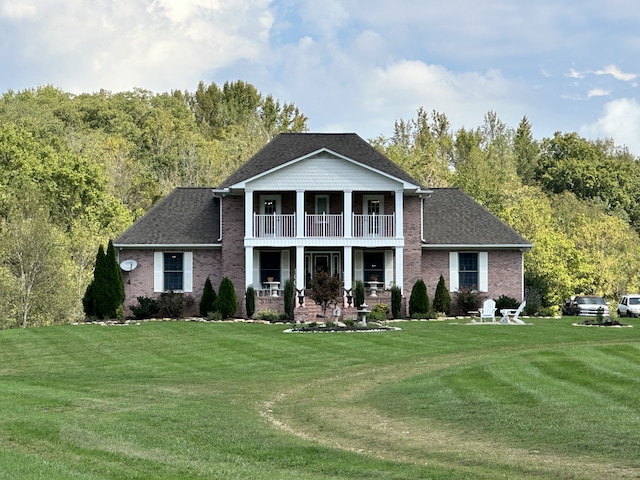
[[159, 45], [620, 121], [616, 73], [598, 92], [17, 10]]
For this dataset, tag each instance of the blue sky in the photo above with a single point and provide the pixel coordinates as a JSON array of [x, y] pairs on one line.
[[354, 66]]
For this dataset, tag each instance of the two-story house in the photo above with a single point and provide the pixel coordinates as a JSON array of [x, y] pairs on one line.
[[320, 201]]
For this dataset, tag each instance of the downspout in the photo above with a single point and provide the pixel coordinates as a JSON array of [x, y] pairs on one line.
[[219, 197]]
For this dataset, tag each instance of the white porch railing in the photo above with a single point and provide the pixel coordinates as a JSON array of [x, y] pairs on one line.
[[323, 225], [373, 226], [274, 225]]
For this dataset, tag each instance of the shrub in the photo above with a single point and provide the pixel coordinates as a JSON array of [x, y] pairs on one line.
[[382, 308], [227, 303], [208, 299], [506, 302], [250, 301], [172, 304], [289, 298], [469, 300], [146, 308], [358, 297], [419, 301], [442, 298], [268, 315], [214, 316], [396, 302]]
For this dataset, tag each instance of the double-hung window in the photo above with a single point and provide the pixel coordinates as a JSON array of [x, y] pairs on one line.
[[469, 270], [173, 271]]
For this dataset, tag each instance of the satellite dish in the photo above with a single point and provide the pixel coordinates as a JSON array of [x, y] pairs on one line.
[[128, 265]]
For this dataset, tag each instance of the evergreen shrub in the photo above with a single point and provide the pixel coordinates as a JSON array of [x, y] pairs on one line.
[[208, 299], [227, 303], [442, 298], [396, 302], [419, 300]]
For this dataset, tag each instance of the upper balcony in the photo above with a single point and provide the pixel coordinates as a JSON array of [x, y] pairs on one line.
[[323, 226]]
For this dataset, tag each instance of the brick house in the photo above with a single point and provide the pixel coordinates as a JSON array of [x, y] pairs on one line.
[[320, 201]]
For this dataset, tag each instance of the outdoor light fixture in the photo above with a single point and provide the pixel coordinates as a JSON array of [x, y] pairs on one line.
[[349, 296], [300, 296]]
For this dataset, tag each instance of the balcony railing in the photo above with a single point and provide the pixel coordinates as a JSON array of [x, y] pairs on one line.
[[323, 225], [373, 226], [275, 225]]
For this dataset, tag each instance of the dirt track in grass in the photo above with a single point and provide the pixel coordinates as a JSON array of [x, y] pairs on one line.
[[332, 411]]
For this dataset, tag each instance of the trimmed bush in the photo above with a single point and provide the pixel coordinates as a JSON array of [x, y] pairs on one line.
[[419, 300], [506, 302], [146, 308], [358, 296], [250, 301], [442, 298], [208, 299], [469, 300], [396, 302], [171, 304], [289, 298], [227, 303]]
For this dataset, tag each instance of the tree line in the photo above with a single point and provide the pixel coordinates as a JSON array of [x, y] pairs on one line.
[[575, 199], [77, 170]]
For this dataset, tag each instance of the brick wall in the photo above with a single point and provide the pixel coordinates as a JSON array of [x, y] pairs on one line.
[[505, 273], [232, 264], [139, 282]]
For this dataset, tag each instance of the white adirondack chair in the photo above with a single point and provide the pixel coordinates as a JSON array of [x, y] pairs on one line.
[[488, 310], [510, 315]]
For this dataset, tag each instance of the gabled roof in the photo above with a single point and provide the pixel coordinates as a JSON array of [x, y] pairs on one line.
[[287, 147], [187, 216], [452, 219]]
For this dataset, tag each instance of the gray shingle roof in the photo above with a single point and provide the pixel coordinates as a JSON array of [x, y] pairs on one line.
[[451, 217], [291, 146], [187, 216]]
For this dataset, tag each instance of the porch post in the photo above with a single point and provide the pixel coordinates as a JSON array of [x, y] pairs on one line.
[[248, 214], [300, 233], [399, 217], [348, 269], [299, 271], [248, 267], [348, 215], [400, 267]]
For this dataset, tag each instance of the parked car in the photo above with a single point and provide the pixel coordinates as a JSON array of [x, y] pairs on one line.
[[629, 305], [586, 305]]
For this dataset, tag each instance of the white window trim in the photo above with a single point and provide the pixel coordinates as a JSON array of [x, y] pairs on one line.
[[158, 272], [483, 271]]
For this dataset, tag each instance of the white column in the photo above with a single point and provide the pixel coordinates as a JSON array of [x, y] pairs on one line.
[[347, 208], [299, 271], [248, 267], [348, 269], [400, 267], [248, 214], [399, 214], [299, 213]]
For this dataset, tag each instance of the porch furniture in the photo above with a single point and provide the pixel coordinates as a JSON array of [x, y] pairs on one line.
[[488, 310], [273, 288], [514, 313]]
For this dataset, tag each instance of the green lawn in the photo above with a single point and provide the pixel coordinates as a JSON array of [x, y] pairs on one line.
[[246, 401]]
